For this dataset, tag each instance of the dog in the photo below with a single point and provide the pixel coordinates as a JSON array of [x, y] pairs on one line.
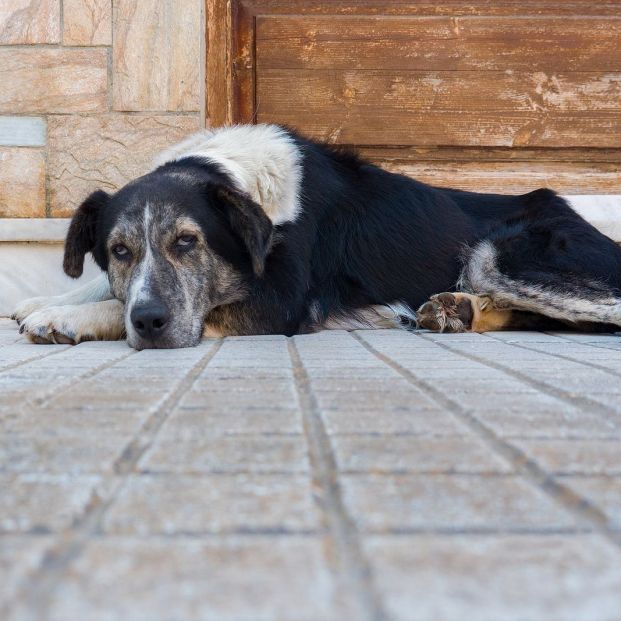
[[254, 229]]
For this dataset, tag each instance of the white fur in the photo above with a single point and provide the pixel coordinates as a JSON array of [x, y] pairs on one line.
[[482, 276], [263, 160], [75, 323], [139, 290], [375, 317], [96, 290]]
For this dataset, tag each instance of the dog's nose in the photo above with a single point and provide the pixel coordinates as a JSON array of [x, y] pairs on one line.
[[149, 320]]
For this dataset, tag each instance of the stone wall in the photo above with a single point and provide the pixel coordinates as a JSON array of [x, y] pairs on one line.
[[91, 90]]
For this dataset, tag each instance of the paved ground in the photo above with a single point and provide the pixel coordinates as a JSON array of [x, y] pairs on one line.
[[345, 477]]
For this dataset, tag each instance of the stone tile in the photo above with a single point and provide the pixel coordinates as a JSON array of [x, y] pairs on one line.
[[19, 557], [603, 492], [16, 353], [105, 151], [156, 55], [384, 453], [82, 419], [370, 399], [566, 423], [53, 80], [22, 182], [524, 577], [169, 504], [87, 22], [221, 401], [22, 131], [43, 503], [185, 450], [450, 503], [574, 456], [58, 451], [411, 422], [29, 21], [241, 420], [225, 579]]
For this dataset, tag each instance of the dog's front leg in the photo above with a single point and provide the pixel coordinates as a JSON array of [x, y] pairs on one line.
[[72, 324], [95, 290]]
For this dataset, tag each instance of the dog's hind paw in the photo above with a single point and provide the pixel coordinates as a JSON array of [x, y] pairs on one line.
[[462, 312], [446, 312]]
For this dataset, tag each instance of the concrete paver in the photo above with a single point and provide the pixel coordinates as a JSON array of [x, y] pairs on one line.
[[373, 476]]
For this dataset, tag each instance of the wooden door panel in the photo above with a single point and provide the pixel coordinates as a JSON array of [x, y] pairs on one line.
[[439, 43], [485, 95]]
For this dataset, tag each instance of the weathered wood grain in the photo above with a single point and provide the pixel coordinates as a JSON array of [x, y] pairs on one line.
[[514, 177], [444, 108], [439, 43], [488, 95], [218, 75], [426, 7]]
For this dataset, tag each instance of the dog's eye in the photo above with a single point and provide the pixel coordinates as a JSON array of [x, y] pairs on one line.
[[186, 241], [120, 251]]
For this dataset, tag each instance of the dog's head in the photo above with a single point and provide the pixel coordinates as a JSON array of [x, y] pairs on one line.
[[176, 243]]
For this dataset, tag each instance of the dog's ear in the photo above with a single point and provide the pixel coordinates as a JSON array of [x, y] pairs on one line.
[[249, 221], [81, 236]]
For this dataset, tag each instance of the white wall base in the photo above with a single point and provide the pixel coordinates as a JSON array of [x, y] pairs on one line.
[[31, 250], [32, 269]]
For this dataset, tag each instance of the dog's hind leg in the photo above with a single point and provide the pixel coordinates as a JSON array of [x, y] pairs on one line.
[[491, 300], [96, 290]]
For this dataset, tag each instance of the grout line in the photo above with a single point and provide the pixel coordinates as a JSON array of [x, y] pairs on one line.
[[564, 496], [41, 399], [33, 598], [360, 598], [15, 365], [575, 342], [592, 365], [558, 393]]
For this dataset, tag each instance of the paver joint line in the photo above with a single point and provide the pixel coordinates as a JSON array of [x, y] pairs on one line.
[[341, 531], [41, 583], [584, 363], [536, 475], [558, 393]]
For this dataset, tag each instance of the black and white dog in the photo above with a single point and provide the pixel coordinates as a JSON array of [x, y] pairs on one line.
[[253, 229]]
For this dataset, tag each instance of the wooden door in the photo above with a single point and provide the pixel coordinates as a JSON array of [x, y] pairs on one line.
[[489, 95]]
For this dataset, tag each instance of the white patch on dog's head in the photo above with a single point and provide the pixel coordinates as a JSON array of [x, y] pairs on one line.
[[263, 161]]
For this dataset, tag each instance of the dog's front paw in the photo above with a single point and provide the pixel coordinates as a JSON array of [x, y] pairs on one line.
[[29, 306], [55, 324]]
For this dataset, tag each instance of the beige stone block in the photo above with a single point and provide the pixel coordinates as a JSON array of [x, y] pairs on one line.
[[53, 80], [450, 502], [156, 55], [51, 451], [211, 504], [43, 503], [185, 450], [29, 21], [574, 456], [504, 578], [87, 22], [105, 151], [384, 453], [227, 578], [22, 182]]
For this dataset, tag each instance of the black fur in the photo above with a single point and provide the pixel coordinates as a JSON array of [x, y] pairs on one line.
[[364, 236], [82, 235]]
